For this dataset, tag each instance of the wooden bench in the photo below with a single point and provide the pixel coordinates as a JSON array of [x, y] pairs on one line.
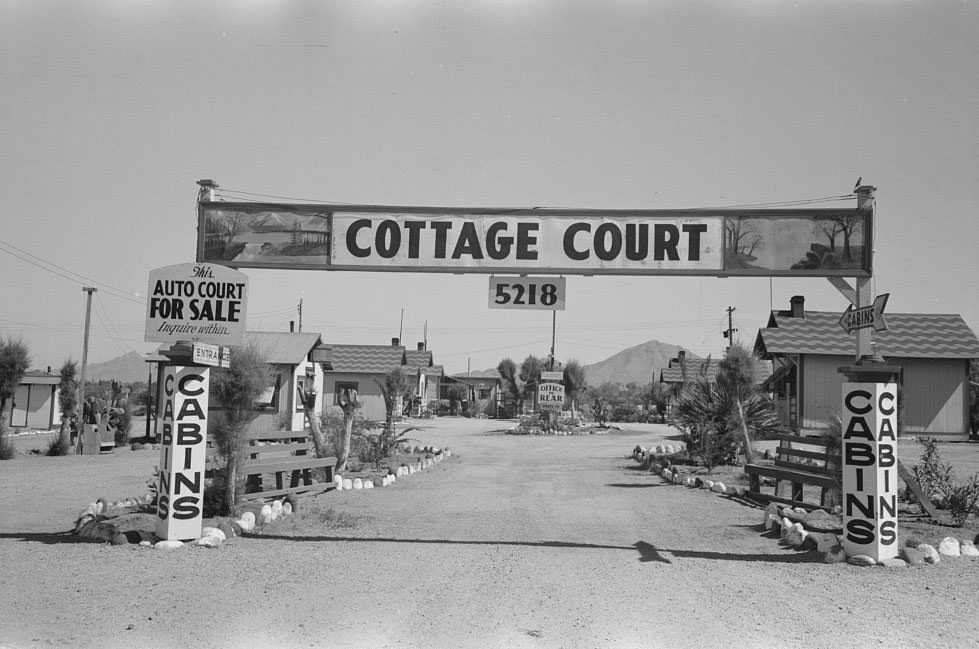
[[279, 463], [799, 461]]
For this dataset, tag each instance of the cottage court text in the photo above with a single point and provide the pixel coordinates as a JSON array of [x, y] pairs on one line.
[[425, 240]]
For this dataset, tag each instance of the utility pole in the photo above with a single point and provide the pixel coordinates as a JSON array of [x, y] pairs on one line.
[[553, 330], [80, 401], [729, 334], [300, 315]]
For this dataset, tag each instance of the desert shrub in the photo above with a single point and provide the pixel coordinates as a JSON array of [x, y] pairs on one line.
[[935, 477], [331, 420], [215, 499], [601, 410], [962, 500], [58, 447], [937, 480]]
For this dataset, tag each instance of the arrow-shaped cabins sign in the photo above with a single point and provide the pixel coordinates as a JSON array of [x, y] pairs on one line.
[[866, 316]]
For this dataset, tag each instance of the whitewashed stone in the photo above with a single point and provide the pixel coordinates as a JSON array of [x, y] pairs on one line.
[[348, 484], [168, 545], [968, 549], [786, 527], [276, 509], [392, 478], [949, 547], [338, 478], [213, 531], [718, 487], [862, 560], [246, 524], [249, 516], [894, 562], [731, 491], [677, 478], [773, 509], [266, 514], [931, 554], [358, 483], [709, 484], [740, 490], [209, 542], [287, 508], [368, 483], [145, 544], [773, 522]]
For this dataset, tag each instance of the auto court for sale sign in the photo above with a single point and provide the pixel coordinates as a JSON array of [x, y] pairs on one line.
[[204, 304], [196, 302]]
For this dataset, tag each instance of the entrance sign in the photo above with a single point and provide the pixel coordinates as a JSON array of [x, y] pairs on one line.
[[545, 293], [213, 355], [183, 450], [801, 242], [204, 303], [870, 470], [550, 396], [552, 376], [866, 316]]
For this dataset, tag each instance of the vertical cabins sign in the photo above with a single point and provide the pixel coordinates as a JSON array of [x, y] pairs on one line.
[[803, 242], [196, 302], [180, 492], [870, 469]]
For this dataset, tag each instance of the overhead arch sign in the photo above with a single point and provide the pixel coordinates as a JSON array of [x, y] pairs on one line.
[[809, 242]]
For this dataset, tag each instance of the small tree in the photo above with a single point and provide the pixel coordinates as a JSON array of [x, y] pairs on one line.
[[236, 389], [14, 362], [574, 384], [738, 373], [67, 402], [512, 388], [457, 393], [530, 371], [349, 401], [392, 389]]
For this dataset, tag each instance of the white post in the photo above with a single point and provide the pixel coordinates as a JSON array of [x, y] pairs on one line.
[[870, 466], [183, 449]]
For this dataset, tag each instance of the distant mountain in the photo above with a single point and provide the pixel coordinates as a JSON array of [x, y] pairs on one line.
[[637, 364], [128, 368]]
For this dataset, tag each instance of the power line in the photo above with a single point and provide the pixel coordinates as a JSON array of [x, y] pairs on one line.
[[71, 275]]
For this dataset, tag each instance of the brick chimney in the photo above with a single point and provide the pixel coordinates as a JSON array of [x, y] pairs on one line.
[[798, 306], [395, 342], [421, 347]]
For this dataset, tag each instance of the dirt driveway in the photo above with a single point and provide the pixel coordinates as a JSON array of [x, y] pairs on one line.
[[513, 542]]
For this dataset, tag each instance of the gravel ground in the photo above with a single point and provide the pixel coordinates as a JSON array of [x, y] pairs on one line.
[[513, 542]]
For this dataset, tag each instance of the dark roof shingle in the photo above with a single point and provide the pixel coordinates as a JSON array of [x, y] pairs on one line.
[[909, 335]]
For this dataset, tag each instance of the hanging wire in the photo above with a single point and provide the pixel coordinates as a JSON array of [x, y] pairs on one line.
[[67, 273]]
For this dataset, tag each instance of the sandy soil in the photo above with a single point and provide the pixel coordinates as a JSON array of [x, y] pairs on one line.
[[513, 542]]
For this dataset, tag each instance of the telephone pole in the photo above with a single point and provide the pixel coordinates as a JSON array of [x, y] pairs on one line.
[[82, 442], [300, 315], [729, 333]]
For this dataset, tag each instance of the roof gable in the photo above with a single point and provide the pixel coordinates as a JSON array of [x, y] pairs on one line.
[[283, 347], [909, 335]]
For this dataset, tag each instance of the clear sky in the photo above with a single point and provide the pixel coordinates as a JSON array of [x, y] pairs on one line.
[[111, 111]]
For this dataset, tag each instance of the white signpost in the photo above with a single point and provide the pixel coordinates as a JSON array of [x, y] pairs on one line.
[[183, 449], [204, 304], [870, 471], [550, 397]]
